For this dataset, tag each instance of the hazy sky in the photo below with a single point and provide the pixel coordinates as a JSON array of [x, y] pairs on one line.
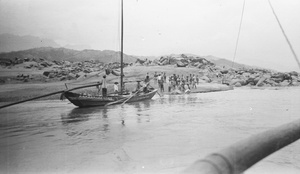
[[160, 27]]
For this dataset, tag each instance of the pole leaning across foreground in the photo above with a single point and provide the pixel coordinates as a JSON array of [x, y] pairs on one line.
[[47, 95], [239, 157]]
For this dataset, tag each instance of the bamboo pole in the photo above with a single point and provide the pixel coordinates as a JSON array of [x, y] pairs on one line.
[[244, 154], [130, 97], [115, 102], [46, 95]]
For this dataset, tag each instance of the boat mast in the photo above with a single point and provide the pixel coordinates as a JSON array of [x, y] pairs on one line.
[[122, 48]]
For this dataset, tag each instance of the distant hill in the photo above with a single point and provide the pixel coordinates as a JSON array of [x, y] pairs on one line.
[[77, 47], [10, 42], [224, 62], [51, 54]]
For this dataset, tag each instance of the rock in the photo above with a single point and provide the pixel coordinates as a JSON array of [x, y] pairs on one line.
[[165, 62], [295, 83], [63, 78], [116, 73], [45, 64], [5, 62], [138, 64], [293, 73], [51, 75], [294, 78], [46, 73], [256, 80], [224, 71], [67, 64], [240, 81], [205, 78], [284, 83], [139, 61], [29, 65], [2, 81], [260, 81], [57, 62], [238, 84], [71, 76], [277, 80], [87, 71], [181, 64], [271, 82]]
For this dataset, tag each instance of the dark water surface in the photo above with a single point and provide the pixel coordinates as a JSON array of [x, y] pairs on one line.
[[163, 135]]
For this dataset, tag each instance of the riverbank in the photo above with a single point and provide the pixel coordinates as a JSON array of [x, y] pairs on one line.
[[16, 91]]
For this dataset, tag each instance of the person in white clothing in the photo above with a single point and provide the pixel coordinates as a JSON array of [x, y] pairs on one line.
[[116, 88]]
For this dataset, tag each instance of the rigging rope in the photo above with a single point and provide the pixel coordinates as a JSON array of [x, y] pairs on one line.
[[237, 40], [283, 32]]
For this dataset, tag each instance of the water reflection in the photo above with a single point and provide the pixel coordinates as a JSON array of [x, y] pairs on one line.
[[105, 119], [83, 114], [141, 110], [187, 98], [122, 115], [192, 98], [75, 115], [142, 105], [82, 124]]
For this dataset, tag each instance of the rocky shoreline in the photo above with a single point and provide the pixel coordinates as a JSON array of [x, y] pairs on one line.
[[207, 70], [25, 78]]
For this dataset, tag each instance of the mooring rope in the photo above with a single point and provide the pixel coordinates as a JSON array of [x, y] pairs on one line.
[[238, 37], [283, 32]]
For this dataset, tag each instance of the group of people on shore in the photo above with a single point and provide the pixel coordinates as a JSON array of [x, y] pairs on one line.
[[176, 82]]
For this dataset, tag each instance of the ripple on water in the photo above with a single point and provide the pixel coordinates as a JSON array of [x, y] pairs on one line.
[[157, 133]]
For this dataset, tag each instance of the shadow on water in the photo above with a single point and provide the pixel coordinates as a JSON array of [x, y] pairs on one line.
[[82, 114], [86, 123]]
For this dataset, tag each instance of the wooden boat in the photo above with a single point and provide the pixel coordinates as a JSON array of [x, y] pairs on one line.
[[90, 101]]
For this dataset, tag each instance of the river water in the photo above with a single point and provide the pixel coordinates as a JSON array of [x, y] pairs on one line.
[[162, 135]]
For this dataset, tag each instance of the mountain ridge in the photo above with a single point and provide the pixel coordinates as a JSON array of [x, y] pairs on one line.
[[59, 54], [10, 42], [12, 46]]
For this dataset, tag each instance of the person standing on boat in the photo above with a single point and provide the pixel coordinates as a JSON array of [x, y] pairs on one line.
[[104, 86], [99, 87], [145, 87], [147, 79], [138, 86], [116, 88]]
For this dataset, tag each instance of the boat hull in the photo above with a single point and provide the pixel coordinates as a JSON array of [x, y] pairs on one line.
[[91, 101]]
